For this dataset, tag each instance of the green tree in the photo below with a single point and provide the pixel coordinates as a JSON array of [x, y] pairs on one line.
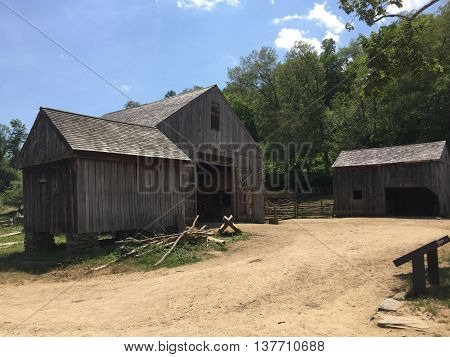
[[372, 11], [16, 138], [188, 90], [131, 104], [390, 88], [12, 138], [170, 93], [13, 196]]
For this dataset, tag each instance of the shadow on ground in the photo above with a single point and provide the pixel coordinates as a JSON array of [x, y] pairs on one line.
[[51, 259], [437, 292]]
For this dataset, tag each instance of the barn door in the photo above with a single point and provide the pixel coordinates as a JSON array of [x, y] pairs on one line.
[[244, 195], [189, 188]]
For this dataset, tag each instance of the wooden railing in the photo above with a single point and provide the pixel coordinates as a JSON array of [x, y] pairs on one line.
[[282, 209]]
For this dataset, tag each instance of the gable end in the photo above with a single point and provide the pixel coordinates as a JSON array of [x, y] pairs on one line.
[[44, 144]]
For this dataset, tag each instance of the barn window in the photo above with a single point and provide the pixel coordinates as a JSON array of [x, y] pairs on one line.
[[357, 195], [215, 116]]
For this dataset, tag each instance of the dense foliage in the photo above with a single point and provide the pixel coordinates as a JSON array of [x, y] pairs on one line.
[[391, 88], [11, 139]]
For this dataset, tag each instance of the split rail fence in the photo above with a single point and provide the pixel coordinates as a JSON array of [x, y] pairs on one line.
[[289, 208]]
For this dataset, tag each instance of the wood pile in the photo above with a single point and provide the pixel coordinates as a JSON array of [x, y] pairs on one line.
[[137, 247]]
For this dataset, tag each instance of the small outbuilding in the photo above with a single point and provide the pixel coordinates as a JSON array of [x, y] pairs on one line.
[[410, 180], [144, 168]]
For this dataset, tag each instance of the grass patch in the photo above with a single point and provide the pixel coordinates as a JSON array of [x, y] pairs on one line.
[[16, 265], [318, 200], [437, 297], [7, 212]]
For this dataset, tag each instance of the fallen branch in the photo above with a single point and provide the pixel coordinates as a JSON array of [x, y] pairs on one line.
[[137, 247], [10, 234], [176, 242], [215, 240]]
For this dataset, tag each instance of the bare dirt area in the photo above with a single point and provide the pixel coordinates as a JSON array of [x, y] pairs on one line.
[[314, 277]]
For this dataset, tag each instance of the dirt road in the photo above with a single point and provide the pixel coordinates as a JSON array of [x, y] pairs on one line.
[[300, 278]]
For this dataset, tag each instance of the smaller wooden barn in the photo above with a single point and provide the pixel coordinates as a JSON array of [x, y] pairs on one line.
[[410, 180]]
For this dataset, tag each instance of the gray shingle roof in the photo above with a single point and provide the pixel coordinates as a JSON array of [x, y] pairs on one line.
[[154, 113], [86, 133], [391, 155]]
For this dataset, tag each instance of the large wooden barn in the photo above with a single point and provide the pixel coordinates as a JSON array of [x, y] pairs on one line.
[[411, 180], [138, 169]]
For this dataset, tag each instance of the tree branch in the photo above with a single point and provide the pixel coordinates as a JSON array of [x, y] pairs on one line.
[[412, 17], [391, 15], [423, 8]]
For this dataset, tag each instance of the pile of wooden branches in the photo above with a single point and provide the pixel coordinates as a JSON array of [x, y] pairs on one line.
[[134, 247]]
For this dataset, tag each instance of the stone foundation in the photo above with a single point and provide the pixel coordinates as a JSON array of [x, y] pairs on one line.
[[82, 243], [38, 241]]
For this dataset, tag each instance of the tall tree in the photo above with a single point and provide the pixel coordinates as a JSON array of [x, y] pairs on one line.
[[131, 104], [17, 136], [372, 11], [170, 93], [188, 90]]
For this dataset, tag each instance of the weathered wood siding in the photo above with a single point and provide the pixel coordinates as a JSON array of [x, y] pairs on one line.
[[127, 194], [372, 181], [190, 129], [44, 144], [49, 197]]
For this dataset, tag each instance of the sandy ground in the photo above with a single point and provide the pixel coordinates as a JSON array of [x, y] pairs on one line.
[[321, 277]]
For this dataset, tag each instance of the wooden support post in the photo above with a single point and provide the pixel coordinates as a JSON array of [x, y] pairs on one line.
[[433, 267], [418, 267], [229, 222], [38, 241], [274, 220]]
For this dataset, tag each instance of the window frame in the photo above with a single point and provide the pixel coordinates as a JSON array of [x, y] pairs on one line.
[[215, 116], [357, 195]]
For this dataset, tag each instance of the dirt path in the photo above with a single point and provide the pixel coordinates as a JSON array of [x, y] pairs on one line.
[[301, 278]]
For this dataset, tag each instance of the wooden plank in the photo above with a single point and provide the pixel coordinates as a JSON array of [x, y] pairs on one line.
[[418, 267], [433, 267], [421, 251]]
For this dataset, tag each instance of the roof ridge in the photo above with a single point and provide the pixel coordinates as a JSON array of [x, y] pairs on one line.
[[100, 118], [163, 99], [396, 146]]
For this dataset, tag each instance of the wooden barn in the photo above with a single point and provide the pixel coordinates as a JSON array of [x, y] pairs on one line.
[[143, 168], [411, 180]]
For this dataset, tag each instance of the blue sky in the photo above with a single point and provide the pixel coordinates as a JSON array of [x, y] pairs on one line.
[[142, 47]]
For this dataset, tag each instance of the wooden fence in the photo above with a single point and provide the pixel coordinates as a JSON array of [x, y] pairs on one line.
[[290, 208]]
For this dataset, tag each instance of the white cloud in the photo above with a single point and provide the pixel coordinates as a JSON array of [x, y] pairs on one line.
[[279, 20], [326, 18], [288, 37], [332, 35], [272, 2], [125, 87], [333, 25], [233, 60], [205, 4], [408, 5]]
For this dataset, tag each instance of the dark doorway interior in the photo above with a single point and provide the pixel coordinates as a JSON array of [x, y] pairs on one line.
[[215, 191], [411, 201]]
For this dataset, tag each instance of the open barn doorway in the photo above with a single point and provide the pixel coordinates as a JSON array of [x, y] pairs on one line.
[[411, 201], [215, 191]]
